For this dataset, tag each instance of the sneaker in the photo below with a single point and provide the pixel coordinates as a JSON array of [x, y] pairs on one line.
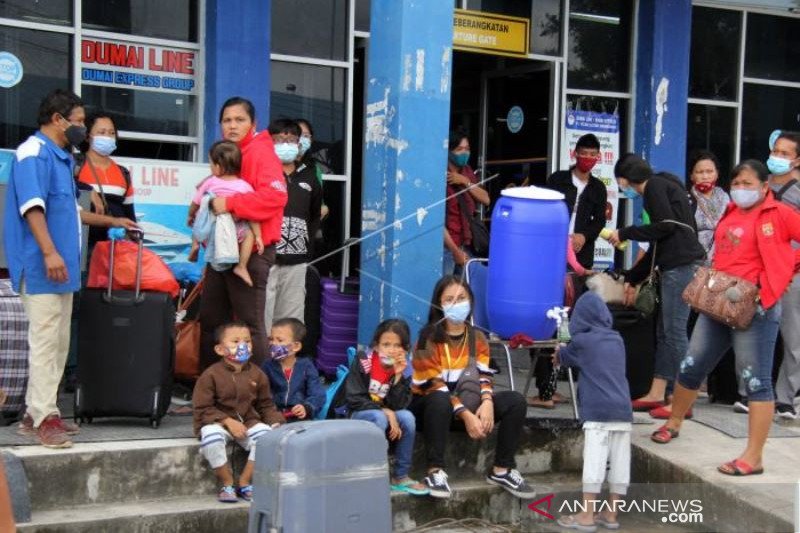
[[436, 482], [741, 406], [786, 411], [25, 427], [69, 427], [51, 433], [227, 494], [513, 482]]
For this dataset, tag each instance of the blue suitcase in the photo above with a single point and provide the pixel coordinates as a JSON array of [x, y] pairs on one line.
[[324, 476]]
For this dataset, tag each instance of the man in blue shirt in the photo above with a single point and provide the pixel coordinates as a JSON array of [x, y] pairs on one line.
[[42, 243]]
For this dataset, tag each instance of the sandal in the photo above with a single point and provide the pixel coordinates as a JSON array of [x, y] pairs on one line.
[[245, 492], [663, 435], [645, 405], [600, 520], [227, 494], [569, 522], [737, 467], [410, 486], [663, 413]]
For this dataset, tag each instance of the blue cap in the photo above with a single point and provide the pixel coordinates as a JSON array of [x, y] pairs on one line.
[[773, 137]]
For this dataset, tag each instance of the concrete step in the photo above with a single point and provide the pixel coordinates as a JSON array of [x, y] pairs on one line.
[[129, 471], [198, 514]]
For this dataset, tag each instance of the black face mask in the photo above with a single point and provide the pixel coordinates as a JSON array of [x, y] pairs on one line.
[[75, 134]]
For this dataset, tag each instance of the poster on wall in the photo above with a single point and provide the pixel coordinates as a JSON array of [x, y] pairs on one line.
[[162, 193], [606, 127]]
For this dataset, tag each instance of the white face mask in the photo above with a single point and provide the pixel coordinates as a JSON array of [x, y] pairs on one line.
[[745, 198]]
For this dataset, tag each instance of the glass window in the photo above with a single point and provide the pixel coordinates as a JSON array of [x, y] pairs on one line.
[[174, 19], [154, 150], [145, 111], [771, 50], [46, 60], [766, 108], [362, 15], [318, 95], [44, 11], [323, 35], [599, 45], [713, 128], [714, 69], [546, 27], [502, 7]]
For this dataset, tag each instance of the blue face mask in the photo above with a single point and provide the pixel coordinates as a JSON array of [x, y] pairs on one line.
[[457, 312], [778, 165], [459, 159], [629, 193], [745, 198], [104, 146], [279, 351], [242, 353], [305, 144], [287, 152]]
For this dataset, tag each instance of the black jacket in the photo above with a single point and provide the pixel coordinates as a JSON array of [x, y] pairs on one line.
[[357, 389], [300, 216], [591, 215], [665, 199]]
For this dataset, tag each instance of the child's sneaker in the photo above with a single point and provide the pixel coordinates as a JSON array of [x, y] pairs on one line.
[[513, 482], [245, 492], [437, 484], [227, 494], [51, 433]]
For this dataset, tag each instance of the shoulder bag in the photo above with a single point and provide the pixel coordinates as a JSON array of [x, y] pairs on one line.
[[723, 297], [647, 296], [480, 235], [468, 386], [187, 339]]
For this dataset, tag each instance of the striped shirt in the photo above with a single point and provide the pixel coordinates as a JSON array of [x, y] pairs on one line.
[[437, 367]]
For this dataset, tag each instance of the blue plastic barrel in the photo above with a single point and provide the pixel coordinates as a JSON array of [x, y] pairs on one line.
[[527, 261]]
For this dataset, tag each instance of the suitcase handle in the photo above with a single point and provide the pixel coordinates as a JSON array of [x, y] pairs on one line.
[[138, 236], [348, 243]]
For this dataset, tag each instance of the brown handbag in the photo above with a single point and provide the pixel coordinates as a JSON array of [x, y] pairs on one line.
[[187, 340], [725, 298]]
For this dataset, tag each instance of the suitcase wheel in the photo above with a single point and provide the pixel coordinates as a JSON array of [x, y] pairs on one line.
[[155, 422]]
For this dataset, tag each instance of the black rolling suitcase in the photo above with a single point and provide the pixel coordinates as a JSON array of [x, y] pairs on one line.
[[639, 335], [126, 349], [312, 311]]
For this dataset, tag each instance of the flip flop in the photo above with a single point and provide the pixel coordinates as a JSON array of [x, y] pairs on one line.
[[410, 486], [737, 467], [568, 522], [664, 435], [645, 405], [663, 413], [600, 521], [534, 402]]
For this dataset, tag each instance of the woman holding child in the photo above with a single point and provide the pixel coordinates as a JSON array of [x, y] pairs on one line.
[[224, 293], [452, 383], [753, 241]]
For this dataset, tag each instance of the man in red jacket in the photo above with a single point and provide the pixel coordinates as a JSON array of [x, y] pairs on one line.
[[225, 295]]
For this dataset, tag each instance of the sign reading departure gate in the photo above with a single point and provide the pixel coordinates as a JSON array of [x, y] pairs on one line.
[[139, 66], [489, 33]]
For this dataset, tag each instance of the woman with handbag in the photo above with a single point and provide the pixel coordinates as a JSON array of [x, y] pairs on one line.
[[739, 304], [462, 239], [452, 384], [673, 256], [96, 171]]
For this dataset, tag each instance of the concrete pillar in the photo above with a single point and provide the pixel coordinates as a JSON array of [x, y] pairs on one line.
[[662, 83], [407, 121], [237, 45]]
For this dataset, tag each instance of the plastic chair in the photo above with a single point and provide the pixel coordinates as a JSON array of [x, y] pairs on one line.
[[476, 275]]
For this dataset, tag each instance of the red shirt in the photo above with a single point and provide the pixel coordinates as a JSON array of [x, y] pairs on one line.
[[455, 221], [261, 169], [736, 246]]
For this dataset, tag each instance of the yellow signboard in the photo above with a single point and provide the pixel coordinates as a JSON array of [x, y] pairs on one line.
[[489, 33]]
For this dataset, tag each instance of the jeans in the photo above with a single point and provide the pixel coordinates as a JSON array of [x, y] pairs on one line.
[[671, 338], [754, 348], [434, 412], [404, 446], [449, 265], [789, 376]]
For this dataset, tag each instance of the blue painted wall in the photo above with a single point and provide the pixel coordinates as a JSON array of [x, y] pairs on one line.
[[407, 119], [662, 83], [237, 48]]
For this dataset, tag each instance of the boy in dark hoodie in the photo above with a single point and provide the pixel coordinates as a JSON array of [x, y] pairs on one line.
[[605, 407]]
